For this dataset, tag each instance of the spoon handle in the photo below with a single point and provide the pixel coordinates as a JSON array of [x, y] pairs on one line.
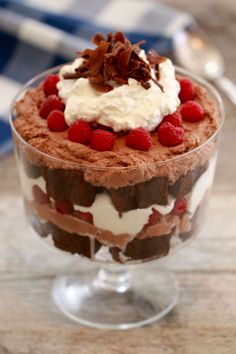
[[228, 87]]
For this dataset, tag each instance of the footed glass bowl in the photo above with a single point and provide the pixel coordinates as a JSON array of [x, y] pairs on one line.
[[120, 218]]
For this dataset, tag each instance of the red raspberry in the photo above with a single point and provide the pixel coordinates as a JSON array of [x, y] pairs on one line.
[[187, 90], [80, 132], [39, 196], [153, 218], [87, 217], [192, 111], [170, 135], [64, 207], [102, 140], [174, 119], [56, 121], [50, 85], [139, 139], [180, 206], [50, 104]]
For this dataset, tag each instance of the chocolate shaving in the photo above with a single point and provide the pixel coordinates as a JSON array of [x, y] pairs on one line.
[[115, 59], [155, 59]]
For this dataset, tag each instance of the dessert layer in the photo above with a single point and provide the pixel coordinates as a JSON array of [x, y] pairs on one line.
[[104, 214], [147, 249], [72, 224], [155, 241], [69, 186], [133, 166], [137, 249]]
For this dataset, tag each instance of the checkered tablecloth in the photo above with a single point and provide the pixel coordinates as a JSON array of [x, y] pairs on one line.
[[37, 34]]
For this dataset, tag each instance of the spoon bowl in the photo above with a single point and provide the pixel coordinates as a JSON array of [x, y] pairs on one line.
[[194, 51]]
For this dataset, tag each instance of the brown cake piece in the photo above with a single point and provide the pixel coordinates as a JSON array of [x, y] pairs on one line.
[[185, 183], [32, 170], [141, 195], [69, 185], [74, 243], [154, 247]]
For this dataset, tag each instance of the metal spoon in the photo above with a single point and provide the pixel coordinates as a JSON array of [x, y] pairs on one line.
[[194, 51]]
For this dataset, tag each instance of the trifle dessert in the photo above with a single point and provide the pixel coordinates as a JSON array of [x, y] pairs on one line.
[[116, 153]]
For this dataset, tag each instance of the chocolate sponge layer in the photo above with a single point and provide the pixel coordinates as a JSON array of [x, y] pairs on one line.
[[70, 186]]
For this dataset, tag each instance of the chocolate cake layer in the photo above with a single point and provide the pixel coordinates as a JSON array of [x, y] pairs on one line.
[[154, 247], [150, 248], [74, 243], [32, 170], [66, 241], [70, 186], [77, 244], [136, 249], [141, 195], [185, 183]]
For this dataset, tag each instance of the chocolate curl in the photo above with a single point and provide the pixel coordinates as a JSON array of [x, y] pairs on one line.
[[115, 59], [155, 59]]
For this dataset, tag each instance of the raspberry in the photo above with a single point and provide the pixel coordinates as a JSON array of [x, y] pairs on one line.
[[56, 121], [187, 91], [80, 132], [153, 218], [174, 119], [139, 139], [50, 104], [170, 135], [39, 196], [64, 207], [102, 140], [50, 85], [87, 217], [180, 206], [192, 111]]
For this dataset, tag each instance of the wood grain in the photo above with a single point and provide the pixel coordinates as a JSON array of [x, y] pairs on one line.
[[204, 322]]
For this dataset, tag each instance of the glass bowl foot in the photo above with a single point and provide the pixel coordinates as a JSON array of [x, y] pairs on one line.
[[117, 297]]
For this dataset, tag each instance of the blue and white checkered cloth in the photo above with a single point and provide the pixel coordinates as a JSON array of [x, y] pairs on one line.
[[37, 34]]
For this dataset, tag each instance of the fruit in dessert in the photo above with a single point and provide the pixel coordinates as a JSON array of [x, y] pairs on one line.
[[170, 135], [139, 139], [119, 155], [187, 90], [102, 140], [56, 121], [50, 85], [51, 103]]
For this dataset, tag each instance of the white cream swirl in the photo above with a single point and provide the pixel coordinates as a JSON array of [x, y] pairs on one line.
[[125, 107]]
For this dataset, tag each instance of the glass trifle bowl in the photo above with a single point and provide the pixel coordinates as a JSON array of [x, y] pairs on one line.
[[121, 217]]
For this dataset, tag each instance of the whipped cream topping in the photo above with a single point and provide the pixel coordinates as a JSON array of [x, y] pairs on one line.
[[125, 107]]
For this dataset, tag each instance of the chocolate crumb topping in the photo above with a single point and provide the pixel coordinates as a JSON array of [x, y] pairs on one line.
[[115, 59]]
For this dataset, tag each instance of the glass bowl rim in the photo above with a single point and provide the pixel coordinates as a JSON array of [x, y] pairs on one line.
[[76, 165]]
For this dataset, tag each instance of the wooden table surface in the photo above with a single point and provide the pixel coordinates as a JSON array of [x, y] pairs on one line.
[[204, 322]]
